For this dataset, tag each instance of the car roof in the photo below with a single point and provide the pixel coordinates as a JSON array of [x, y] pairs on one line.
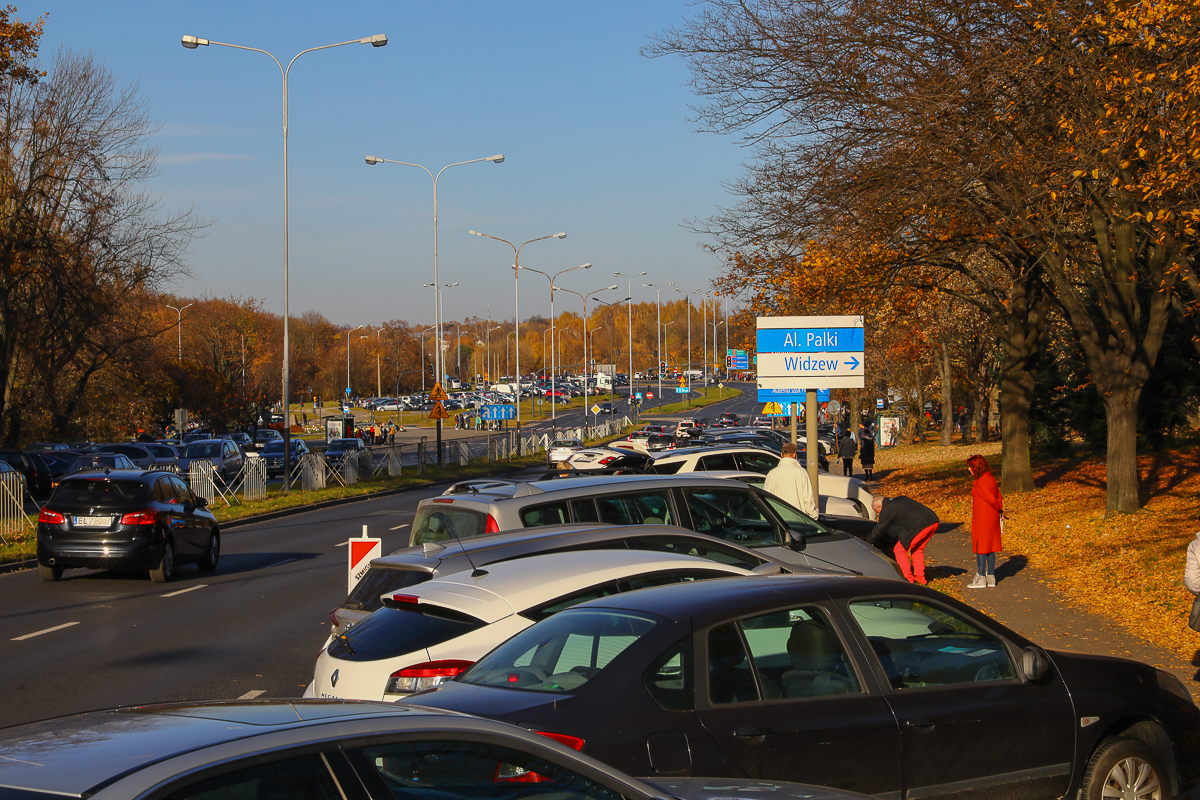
[[508, 587], [80, 753], [508, 490], [686, 452]]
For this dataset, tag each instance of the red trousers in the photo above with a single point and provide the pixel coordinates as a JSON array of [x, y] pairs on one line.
[[917, 550]]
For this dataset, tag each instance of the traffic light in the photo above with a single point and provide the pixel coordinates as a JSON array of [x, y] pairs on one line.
[[729, 362]]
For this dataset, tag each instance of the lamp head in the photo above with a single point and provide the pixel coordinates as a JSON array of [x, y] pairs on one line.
[[610, 287], [373, 160], [191, 42], [475, 233], [496, 159], [562, 235], [586, 266], [378, 40]]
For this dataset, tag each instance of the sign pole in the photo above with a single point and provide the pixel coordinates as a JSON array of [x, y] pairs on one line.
[[813, 447], [793, 408]]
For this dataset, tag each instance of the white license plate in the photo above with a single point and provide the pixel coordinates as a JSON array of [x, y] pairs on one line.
[[92, 522]]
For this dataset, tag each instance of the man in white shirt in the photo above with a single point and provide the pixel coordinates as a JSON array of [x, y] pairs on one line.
[[789, 482]]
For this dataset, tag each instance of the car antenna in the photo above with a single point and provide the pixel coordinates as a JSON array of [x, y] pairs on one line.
[[476, 572]]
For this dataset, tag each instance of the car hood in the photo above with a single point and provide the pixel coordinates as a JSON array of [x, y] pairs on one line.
[[739, 789], [508, 705]]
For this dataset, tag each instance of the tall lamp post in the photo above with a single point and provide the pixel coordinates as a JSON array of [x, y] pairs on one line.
[[191, 43], [423, 332], [437, 356], [179, 328], [703, 331], [585, 297], [629, 280], [352, 330], [517, 308], [552, 279], [658, 332]]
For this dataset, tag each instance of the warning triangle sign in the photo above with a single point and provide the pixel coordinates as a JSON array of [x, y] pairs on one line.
[[438, 395], [439, 412]]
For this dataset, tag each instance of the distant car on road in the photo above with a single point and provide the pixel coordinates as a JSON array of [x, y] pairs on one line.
[[562, 449]]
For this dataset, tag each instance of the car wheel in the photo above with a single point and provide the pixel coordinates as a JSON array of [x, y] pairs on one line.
[[166, 567], [50, 574], [212, 553], [1123, 767]]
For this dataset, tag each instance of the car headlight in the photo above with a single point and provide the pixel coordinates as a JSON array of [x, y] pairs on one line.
[[1171, 683]]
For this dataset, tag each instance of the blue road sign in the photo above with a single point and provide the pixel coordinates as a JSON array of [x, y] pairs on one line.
[[682, 390], [503, 411], [810, 340], [638, 395], [347, 390], [782, 396]]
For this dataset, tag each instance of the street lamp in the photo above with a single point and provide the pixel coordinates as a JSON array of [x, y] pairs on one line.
[[629, 279], [179, 326], [437, 298], [658, 331], [352, 330], [423, 332], [497, 159], [517, 308], [552, 279], [585, 297], [191, 43], [488, 336]]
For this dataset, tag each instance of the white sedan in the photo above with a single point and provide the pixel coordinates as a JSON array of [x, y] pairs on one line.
[[428, 633], [562, 449]]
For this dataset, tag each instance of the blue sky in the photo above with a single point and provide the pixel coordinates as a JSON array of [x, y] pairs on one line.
[[596, 137]]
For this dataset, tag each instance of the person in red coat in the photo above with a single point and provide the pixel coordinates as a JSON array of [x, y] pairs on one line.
[[986, 508]]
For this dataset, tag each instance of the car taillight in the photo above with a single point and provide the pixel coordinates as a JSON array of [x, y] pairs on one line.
[[492, 525], [51, 517], [607, 460], [424, 676], [573, 742], [147, 517]]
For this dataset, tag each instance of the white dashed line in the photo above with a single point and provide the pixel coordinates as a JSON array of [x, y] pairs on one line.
[[253, 693], [48, 630], [398, 527], [280, 563], [341, 544], [185, 591]]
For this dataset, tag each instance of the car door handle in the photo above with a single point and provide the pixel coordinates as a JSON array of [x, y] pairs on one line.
[[750, 733], [923, 723]]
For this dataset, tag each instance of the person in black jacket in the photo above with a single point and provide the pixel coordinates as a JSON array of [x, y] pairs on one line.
[[911, 525], [847, 450]]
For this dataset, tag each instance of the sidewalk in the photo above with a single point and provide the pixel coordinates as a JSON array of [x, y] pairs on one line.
[[1024, 600]]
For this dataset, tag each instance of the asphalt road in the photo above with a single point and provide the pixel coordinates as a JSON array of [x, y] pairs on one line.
[[252, 628]]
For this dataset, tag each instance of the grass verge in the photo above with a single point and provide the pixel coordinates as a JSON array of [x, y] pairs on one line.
[[707, 398]]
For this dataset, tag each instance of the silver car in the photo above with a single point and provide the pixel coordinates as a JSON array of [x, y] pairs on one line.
[[225, 455], [562, 449], [729, 510]]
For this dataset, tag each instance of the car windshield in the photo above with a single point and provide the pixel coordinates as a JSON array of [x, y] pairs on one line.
[[97, 492], [437, 523], [562, 653], [276, 446], [93, 462], [565, 443], [390, 632], [341, 444], [202, 450]]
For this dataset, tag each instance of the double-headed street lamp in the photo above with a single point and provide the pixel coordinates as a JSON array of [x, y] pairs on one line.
[[437, 357], [179, 326], [658, 331], [191, 43], [517, 308], [552, 279], [586, 365]]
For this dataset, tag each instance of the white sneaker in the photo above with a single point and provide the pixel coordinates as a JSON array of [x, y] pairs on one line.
[[991, 580], [980, 582]]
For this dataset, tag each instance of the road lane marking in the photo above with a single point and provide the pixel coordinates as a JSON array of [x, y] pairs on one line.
[[185, 591], [280, 563], [398, 527], [48, 630], [253, 693], [341, 544]]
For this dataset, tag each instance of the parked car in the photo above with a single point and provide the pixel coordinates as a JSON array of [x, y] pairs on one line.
[[141, 457], [320, 750], [272, 455], [562, 449], [411, 566], [728, 510], [607, 458], [243, 441], [165, 455], [37, 474], [225, 455], [264, 436], [338, 449], [125, 518], [39, 446], [432, 631], [95, 462], [885, 688]]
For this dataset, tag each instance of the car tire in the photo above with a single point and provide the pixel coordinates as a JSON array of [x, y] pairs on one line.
[[50, 574], [166, 565], [212, 553], [1128, 767]]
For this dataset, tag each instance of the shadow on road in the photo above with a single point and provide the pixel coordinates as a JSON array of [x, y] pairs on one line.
[[250, 562]]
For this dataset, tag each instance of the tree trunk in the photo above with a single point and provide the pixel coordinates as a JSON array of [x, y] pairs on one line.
[[947, 407], [1026, 321], [1121, 473]]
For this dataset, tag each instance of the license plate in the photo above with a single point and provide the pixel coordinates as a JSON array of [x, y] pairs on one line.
[[92, 522]]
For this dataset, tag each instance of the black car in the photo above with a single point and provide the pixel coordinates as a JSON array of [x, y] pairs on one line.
[[126, 519], [272, 455], [337, 449], [874, 686], [37, 474]]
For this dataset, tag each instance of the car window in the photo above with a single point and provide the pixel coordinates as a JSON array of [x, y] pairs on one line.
[[540, 612], [636, 508], [669, 468], [450, 770], [919, 644], [392, 632], [733, 514], [438, 523], [730, 675], [723, 461], [758, 462], [669, 679], [303, 778], [164, 492], [793, 517], [365, 594], [797, 653], [97, 492], [182, 491], [584, 510], [545, 514], [202, 450], [712, 550]]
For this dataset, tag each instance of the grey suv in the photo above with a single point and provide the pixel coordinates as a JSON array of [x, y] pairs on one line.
[[729, 510]]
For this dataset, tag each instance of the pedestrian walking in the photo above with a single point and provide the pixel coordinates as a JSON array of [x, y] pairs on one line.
[[1191, 579], [847, 450], [987, 509], [789, 482], [866, 453], [911, 525]]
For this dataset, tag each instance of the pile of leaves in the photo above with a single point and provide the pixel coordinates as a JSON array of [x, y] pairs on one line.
[[1127, 568]]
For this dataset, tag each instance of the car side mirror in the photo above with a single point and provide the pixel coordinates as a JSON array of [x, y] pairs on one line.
[[1034, 664], [796, 541], [201, 502]]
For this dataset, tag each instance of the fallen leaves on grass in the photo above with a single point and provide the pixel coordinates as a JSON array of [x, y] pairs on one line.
[[1127, 568]]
